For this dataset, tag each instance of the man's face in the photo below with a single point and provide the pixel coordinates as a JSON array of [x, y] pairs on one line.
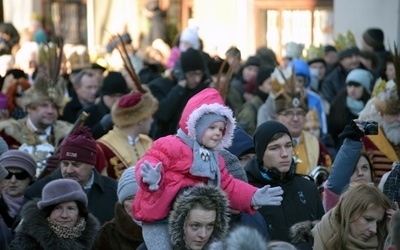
[[278, 154], [294, 119], [86, 92], [193, 78], [391, 128], [43, 114], [351, 62], [77, 171], [331, 57]]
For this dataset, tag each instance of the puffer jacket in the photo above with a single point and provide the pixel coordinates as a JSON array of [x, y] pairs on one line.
[[177, 159]]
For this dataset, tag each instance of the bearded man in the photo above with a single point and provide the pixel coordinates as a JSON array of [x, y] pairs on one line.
[[384, 148]]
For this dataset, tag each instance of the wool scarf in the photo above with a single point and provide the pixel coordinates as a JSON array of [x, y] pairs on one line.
[[67, 232], [13, 203], [205, 161], [355, 106]]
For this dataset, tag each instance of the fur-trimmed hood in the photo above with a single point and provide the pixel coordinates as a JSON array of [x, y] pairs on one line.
[[183, 204], [36, 233], [207, 101]]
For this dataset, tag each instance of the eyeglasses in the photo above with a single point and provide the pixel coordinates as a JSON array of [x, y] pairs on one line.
[[192, 74], [19, 176], [291, 114]]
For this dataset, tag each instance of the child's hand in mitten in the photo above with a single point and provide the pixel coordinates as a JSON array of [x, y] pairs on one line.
[[267, 196], [151, 176]]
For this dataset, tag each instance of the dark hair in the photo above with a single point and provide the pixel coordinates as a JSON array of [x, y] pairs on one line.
[[83, 210], [371, 168], [369, 55]]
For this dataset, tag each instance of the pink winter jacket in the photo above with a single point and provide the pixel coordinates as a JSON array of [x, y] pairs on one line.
[[177, 159]]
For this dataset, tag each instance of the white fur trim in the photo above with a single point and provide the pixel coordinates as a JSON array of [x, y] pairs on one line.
[[218, 109]]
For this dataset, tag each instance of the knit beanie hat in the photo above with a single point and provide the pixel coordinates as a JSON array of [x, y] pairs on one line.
[[127, 184], [192, 60], [264, 72], [252, 61], [19, 159], [60, 191], [264, 133], [206, 121], [374, 37], [242, 143], [360, 76], [79, 146], [133, 108], [3, 172], [114, 83], [3, 146], [191, 36]]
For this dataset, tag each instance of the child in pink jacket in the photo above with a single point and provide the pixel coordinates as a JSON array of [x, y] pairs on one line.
[[190, 157]]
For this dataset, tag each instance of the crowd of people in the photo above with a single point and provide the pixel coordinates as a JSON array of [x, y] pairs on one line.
[[197, 151]]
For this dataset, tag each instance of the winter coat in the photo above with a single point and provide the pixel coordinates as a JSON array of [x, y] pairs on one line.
[[301, 201], [177, 159], [333, 83], [172, 99], [341, 171], [101, 197], [35, 233], [182, 207], [96, 111], [120, 233], [247, 117]]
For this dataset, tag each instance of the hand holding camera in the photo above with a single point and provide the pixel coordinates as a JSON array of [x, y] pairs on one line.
[[357, 129]]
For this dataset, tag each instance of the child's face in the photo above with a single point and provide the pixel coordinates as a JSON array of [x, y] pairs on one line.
[[213, 135]]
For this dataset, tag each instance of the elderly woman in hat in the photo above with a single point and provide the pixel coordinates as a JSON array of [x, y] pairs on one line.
[[60, 220], [21, 169]]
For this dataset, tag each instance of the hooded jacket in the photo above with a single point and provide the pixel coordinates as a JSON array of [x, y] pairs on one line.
[[177, 159], [35, 232], [183, 205]]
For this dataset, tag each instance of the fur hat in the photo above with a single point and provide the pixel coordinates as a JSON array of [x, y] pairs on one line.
[[388, 93], [201, 193], [19, 159], [192, 60], [133, 108], [288, 94], [264, 133], [374, 37], [191, 36], [114, 83], [79, 146], [60, 191], [127, 184], [44, 89], [362, 77]]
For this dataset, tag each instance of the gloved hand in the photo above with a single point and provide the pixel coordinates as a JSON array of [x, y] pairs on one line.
[[151, 176], [352, 131], [106, 122], [52, 162], [267, 196]]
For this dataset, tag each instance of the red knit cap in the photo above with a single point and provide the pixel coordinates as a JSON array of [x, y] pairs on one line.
[[79, 146]]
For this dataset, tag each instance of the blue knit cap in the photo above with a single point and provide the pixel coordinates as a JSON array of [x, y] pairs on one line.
[[205, 121], [301, 69], [242, 143]]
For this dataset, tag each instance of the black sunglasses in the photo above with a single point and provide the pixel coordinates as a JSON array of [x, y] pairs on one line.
[[19, 176]]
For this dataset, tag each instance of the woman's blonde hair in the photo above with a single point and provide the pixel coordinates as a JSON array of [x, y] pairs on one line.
[[359, 198]]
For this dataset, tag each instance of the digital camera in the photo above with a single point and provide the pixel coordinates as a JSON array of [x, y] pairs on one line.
[[370, 127]]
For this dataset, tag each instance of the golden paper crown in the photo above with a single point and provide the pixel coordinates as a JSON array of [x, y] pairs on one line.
[[312, 119], [344, 42], [78, 58], [314, 52]]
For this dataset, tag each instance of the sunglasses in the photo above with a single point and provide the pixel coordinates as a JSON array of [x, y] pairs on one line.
[[19, 176]]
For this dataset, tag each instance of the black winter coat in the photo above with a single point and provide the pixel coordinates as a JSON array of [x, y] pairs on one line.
[[301, 202]]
